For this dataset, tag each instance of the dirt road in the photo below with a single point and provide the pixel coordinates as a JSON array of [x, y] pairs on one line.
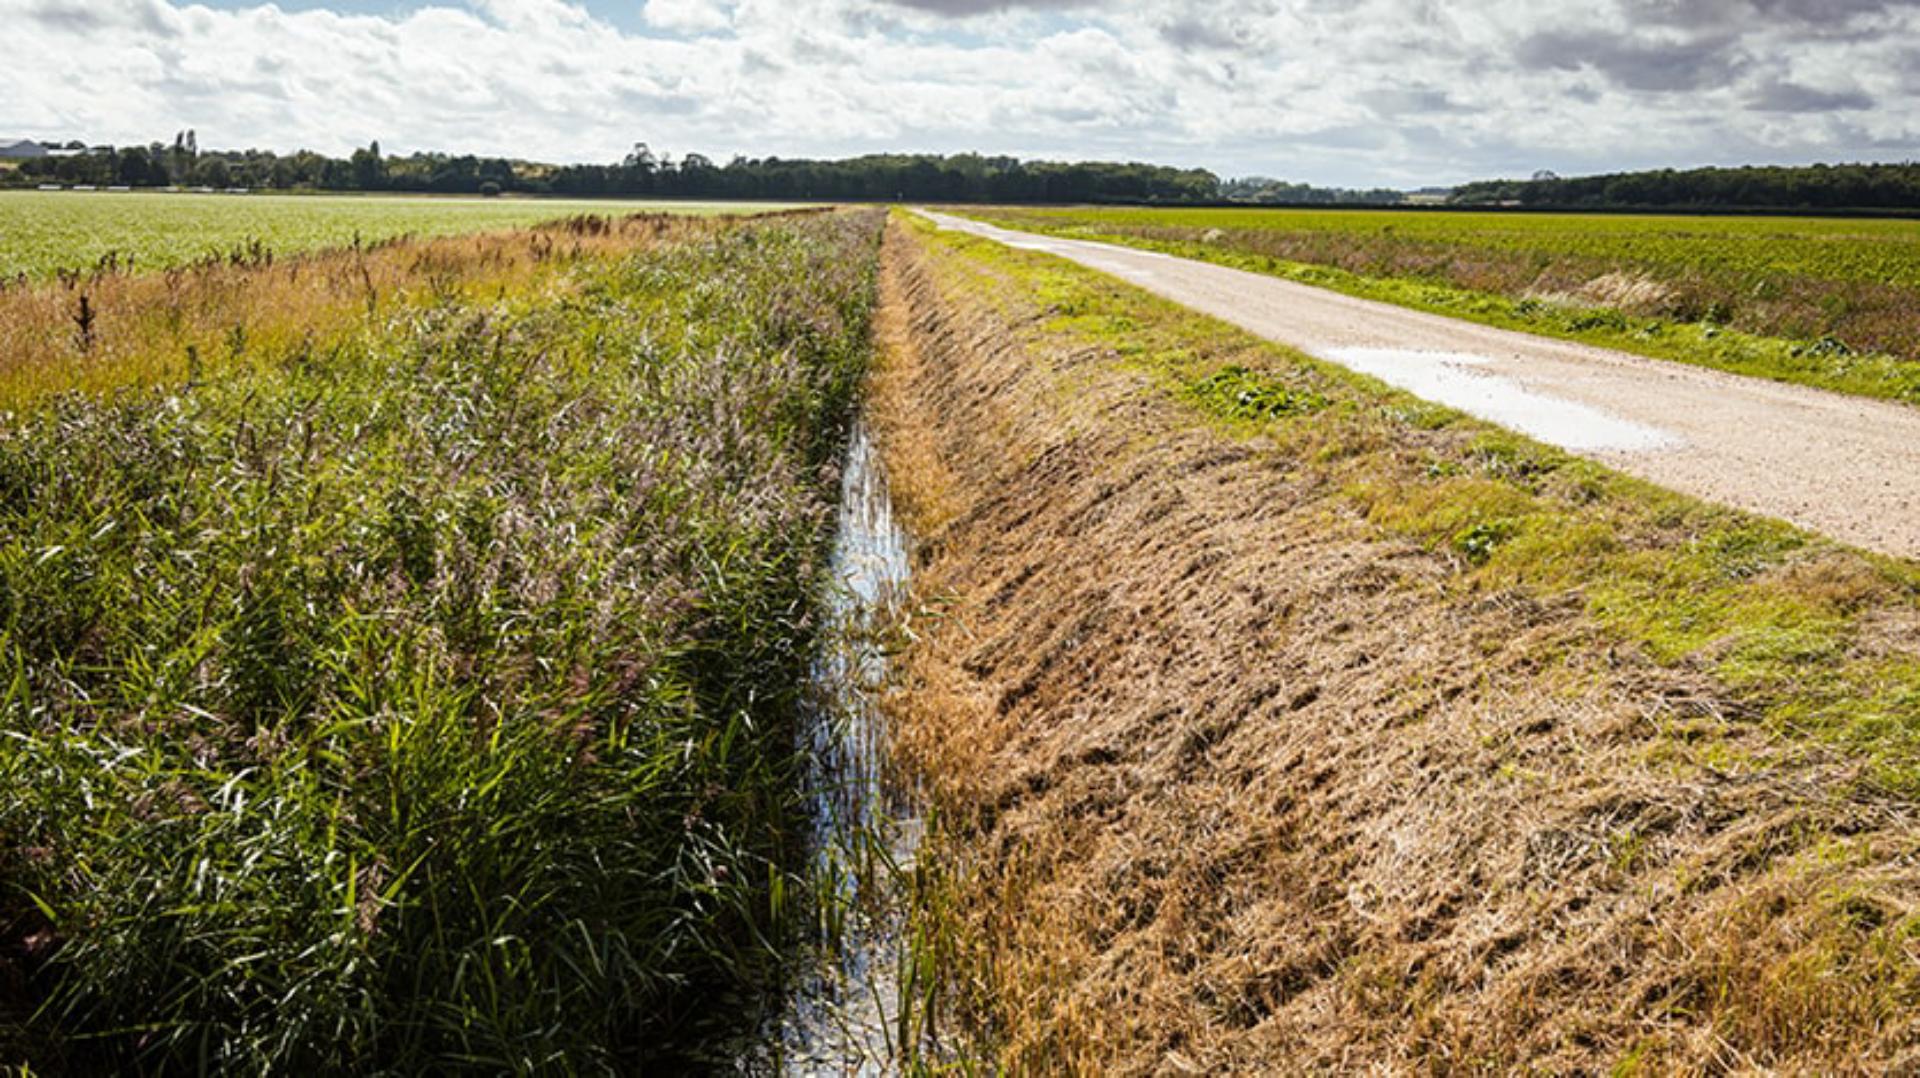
[[1844, 466]]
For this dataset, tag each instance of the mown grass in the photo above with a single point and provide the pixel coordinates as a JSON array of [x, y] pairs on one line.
[[422, 699], [43, 233], [1816, 302], [1806, 643]]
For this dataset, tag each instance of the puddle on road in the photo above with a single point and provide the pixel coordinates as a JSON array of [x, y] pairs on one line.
[[1451, 378], [842, 1011]]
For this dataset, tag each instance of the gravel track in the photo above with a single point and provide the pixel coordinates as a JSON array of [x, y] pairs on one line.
[[1847, 467]]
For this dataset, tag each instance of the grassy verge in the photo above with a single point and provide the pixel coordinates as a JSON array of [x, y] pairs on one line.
[[1508, 761], [1664, 311], [422, 698]]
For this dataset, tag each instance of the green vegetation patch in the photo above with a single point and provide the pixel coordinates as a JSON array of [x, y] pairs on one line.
[[425, 700], [1235, 391]]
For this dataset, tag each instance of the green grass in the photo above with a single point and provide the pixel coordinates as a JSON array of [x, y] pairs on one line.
[[424, 700], [1820, 302], [42, 232]]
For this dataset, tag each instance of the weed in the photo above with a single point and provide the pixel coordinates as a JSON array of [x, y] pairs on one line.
[[1238, 393], [1478, 542]]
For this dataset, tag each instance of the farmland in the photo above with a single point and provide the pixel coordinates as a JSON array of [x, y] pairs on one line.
[[42, 232], [420, 691], [959, 538], [1817, 301], [410, 659]]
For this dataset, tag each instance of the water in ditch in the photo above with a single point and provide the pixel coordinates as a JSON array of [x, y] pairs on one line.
[[843, 1013]]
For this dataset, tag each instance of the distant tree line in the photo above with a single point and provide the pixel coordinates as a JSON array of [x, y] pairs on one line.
[[928, 178], [1262, 189], [1827, 187], [918, 177]]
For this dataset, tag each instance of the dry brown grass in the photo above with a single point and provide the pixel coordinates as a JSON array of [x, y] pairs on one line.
[[97, 331], [1231, 779], [1635, 293]]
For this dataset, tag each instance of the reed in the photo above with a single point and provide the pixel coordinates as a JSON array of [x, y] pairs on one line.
[[411, 684]]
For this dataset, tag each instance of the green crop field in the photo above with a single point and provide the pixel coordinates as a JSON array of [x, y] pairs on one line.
[[42, 232], [1881, 251], [1821, 301]]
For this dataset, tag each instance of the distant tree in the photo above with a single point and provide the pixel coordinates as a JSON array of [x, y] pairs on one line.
[[496, 171], [457, 174], [179, 161], [638, 169], [212, 172], [369, 168], [1874, 186], [928, 177], [135, 167], [489, 189]]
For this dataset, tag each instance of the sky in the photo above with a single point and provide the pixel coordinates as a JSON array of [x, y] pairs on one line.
[[1400, 93]]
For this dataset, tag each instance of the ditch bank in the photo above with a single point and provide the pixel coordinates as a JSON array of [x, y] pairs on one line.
[[1272, 720]]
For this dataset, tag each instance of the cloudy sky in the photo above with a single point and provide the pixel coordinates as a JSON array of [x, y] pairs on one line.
[[1356, 92]]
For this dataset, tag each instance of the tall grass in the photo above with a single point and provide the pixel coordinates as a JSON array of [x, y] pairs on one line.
[[112, 327], [424, 699]]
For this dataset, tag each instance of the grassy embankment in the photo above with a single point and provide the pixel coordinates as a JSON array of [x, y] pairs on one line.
[[417, 691], [1820, 302], [44, 232], [1272, 718]]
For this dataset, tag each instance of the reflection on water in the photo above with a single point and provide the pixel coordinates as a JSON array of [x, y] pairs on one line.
[[1451, 378], [842, 1011]]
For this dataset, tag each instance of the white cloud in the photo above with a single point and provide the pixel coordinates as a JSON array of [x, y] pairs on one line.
[[534, 15], [1352, 91], [688, 16]]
